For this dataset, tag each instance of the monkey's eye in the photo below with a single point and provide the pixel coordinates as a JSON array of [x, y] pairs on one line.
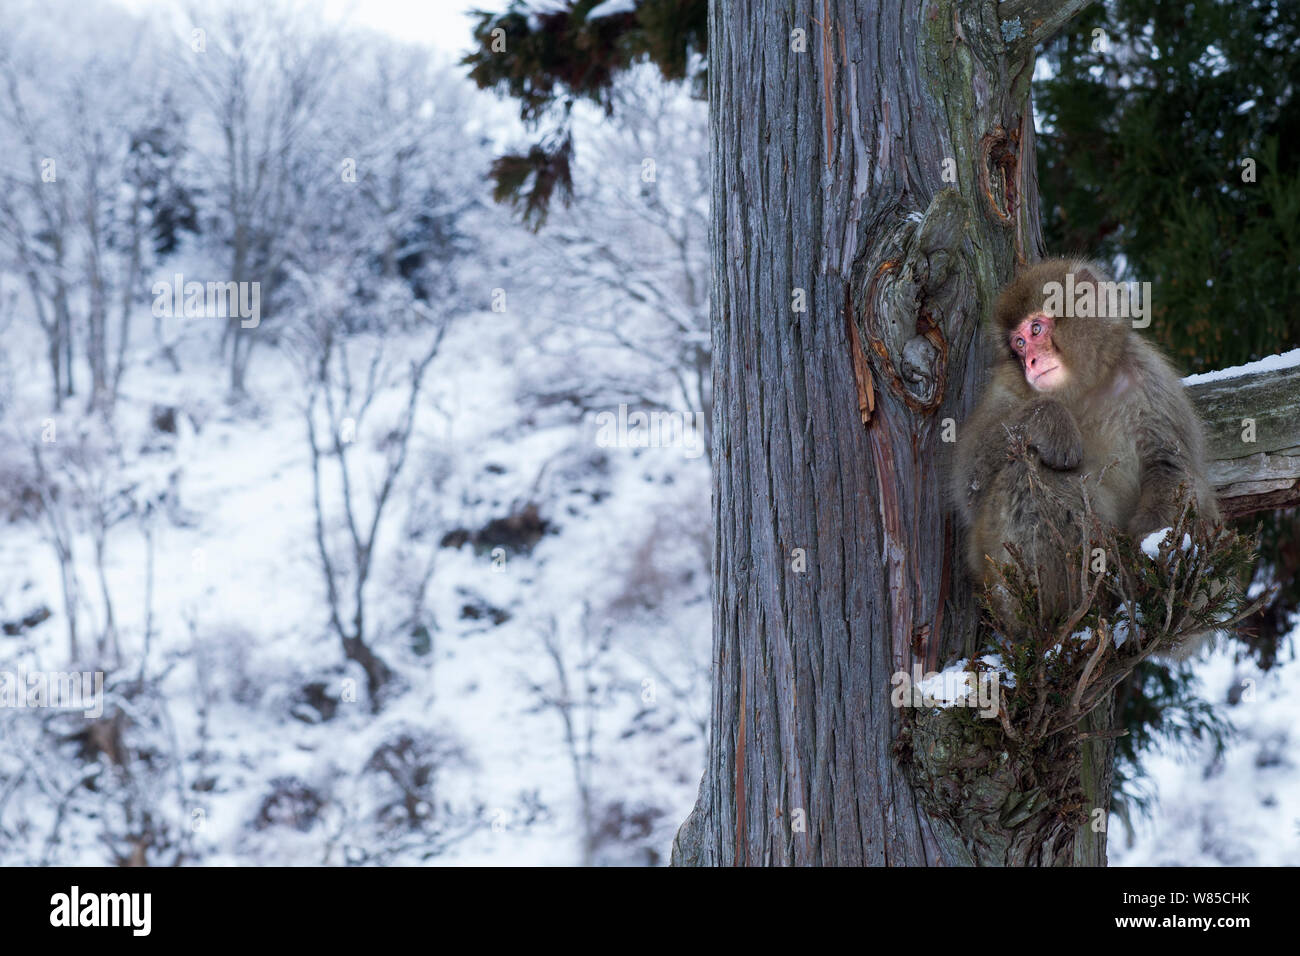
[[1020, 342], [1036, 328]]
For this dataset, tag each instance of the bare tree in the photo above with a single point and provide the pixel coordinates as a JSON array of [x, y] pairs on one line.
[[626, 267], [573, 698], [112, 218], [74, 212], [81, 490], [262, 74], [36, 216], [405, 144], [340, 393], [53, 512]]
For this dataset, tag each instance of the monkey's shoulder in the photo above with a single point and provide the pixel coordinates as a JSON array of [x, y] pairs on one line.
[[1147, 361]]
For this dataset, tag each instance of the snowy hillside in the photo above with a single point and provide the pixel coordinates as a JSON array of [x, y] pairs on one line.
[[255, 749]]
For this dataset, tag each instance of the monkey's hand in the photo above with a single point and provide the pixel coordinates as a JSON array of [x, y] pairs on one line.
[[1051, 431], [1149, 519]]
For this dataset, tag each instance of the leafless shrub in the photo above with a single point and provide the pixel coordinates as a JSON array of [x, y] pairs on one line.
[[1135, 606], [672, 557], [290, 802], [409, 763]]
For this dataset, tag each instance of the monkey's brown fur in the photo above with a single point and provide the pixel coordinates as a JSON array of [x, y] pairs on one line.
[[1122, 417]]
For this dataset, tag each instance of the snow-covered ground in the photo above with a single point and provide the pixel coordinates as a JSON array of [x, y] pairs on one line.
[[1241, 808], [240, 630]]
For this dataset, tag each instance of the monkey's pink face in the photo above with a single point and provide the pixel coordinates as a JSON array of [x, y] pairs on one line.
[[1043, 365]]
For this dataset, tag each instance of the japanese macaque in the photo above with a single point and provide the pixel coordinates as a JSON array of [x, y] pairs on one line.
[[1084, 395]]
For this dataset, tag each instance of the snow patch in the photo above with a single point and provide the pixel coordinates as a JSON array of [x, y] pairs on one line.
[[1270, 363], [1151, 543], [953, 686], [611, 8]]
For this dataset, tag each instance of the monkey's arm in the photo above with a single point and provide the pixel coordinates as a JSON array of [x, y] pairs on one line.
[[1171, 450], [1002, 422], [980, 450], [1052, 432]]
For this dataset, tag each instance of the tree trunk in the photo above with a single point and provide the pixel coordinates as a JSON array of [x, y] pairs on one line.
[[871, 192]]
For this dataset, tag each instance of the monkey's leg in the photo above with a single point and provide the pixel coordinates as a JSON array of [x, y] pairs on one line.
[[1158, 506]]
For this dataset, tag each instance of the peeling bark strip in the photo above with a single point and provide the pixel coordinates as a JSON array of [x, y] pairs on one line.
[[828, 175], [1000, 155], [828, 76], [866, 385]]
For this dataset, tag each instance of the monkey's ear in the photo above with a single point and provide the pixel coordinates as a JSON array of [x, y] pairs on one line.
[[1088, 272]]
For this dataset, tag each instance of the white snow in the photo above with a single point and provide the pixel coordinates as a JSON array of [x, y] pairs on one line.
[[955, 684], [1123, 626], [1270, 363], [1239, 809], [245, 572], [1151, 543], [610, 8]]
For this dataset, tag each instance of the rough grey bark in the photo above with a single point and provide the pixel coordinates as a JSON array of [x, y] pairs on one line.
[[829, 192]]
